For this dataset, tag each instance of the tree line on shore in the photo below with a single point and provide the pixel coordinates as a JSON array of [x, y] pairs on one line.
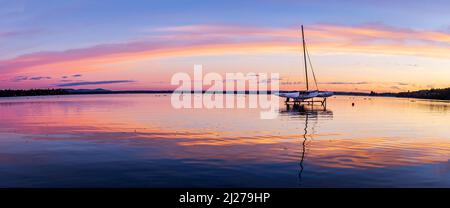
[[441, 94], [32, 92]]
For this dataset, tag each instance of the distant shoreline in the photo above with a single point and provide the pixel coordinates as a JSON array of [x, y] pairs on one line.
[[434, 94]]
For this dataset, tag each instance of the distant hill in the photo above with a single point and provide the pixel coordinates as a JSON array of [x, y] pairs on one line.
[[86, 90]]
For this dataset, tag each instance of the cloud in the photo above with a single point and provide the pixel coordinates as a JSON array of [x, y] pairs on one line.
[[39, 78], [402, 83], [76, 75], [8, 34], [93, 83], [23, 78], [269, 80], [67, 80], [193, 40], [292, 83], [345, 83], [20, 78], [17, 33]]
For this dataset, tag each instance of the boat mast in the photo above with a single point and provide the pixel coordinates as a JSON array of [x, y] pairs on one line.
[[304, 57]]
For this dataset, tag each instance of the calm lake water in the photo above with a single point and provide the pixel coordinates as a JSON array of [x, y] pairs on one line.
[[139, 140]]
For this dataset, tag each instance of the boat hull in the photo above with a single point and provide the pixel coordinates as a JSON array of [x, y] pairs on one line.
[[300, 95], [325, 94]]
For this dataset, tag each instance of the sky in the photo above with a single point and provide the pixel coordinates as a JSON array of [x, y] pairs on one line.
[[382, 46]]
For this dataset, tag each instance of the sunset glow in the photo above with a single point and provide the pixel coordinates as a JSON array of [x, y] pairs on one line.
[[82, 44]]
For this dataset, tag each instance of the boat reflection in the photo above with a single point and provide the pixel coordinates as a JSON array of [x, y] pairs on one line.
[[306, 112], [313, 111]]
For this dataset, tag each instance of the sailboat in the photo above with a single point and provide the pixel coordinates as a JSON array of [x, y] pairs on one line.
[[300, 96]]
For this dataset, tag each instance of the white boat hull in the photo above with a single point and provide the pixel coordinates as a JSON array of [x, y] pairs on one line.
[[301, 95], [325, 94]]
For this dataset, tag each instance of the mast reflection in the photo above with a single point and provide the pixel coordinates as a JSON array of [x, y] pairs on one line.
[[306, 112]]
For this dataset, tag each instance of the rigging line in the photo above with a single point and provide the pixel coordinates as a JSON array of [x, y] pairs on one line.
[[312, 69]]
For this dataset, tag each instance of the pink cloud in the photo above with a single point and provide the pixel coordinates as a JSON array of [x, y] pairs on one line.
[[17, 33], [194, 40]]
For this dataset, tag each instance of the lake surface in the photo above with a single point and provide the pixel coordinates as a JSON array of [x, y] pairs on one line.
[[139, 140]]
